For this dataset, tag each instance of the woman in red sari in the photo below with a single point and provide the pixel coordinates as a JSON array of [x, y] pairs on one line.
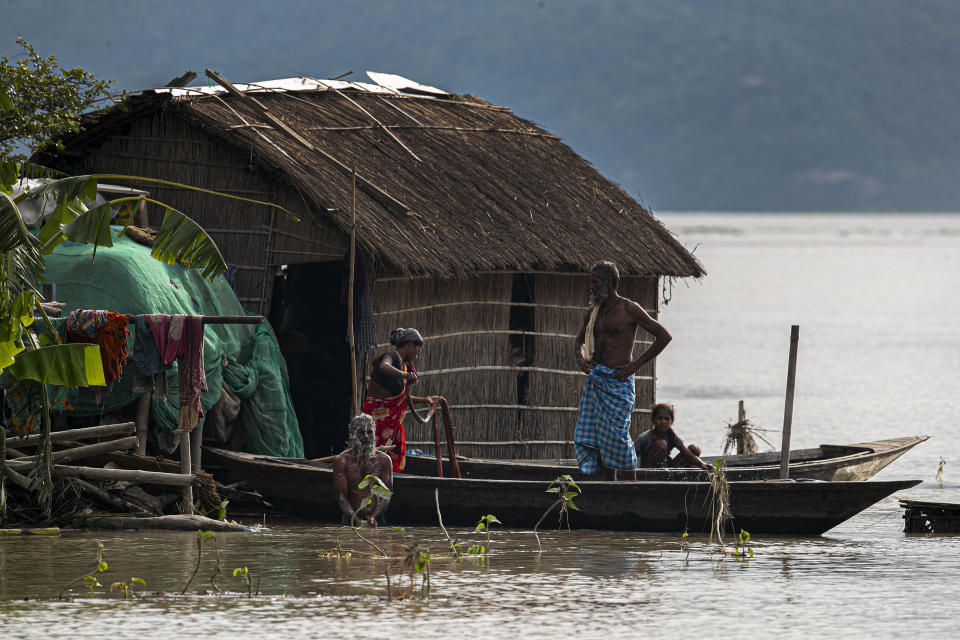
[[390, 379]]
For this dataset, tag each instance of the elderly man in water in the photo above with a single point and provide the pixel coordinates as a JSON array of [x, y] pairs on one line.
[[604, 351], [359, 460]]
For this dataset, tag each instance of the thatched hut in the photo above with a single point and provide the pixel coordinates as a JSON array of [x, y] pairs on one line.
[[474, 225]]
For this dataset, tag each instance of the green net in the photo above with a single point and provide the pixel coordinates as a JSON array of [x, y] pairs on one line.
[[126, 279]]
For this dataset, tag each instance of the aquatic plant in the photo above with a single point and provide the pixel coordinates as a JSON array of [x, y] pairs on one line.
[[685, 545], [127, 589], [741, 548], [566, 490], [416, 561], [201, 537], [244, 574], [454, 545], [484, 525], [369, 542], [218, 566], [89, 579], [377, 489], [940, 471], [719, 503]]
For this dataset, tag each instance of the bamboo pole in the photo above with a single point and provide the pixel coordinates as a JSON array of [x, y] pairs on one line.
[[353, 257], [70, 435], [788, 403], [130, 475], [220, 320], [504, 367], [79, 453]]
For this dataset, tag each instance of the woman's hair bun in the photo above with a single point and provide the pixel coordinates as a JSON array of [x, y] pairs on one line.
[[394, 335]]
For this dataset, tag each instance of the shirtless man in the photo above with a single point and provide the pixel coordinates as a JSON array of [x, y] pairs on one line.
[[350, 467], [604, 351]]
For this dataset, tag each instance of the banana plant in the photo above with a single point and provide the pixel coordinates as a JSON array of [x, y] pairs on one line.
[[77, 218]]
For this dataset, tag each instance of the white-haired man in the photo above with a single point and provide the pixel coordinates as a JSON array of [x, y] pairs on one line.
[[359, 460]]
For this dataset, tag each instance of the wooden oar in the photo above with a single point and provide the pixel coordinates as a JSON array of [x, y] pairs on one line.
[[383, 447]]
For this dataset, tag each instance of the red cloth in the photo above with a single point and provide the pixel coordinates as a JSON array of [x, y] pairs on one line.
[[388, 413], [107, 329]]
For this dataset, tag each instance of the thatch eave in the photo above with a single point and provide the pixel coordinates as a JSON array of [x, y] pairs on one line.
[[484, 189]]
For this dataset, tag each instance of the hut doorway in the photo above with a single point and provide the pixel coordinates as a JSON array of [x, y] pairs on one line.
[[311, 325]]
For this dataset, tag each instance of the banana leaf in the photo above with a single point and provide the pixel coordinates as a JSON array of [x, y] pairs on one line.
[[53, 227], [66, 365], [82, 188], [23, 267], [13, 231], [92, 227], [181, 239], [18, 315]]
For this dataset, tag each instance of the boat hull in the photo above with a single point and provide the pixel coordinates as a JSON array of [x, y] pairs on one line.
[[827, 462], [768, 507]]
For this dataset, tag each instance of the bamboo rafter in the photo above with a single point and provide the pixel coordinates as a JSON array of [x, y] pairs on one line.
[[507, 303], [500, 443], [521, 132], [497, 367], [523, 407], [512, 332]]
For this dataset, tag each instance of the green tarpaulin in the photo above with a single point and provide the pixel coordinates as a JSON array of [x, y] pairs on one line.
[[126, 279]]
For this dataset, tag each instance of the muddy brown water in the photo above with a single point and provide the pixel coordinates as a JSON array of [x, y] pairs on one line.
[[877, 297]]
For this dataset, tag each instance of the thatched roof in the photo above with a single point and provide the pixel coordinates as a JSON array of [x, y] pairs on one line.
[[468, 186]]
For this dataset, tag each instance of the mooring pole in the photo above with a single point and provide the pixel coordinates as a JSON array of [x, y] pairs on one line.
[[741, 420], [353, 261], [788, 403]]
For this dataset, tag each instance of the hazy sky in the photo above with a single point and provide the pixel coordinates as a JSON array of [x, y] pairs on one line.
[[687, 103]]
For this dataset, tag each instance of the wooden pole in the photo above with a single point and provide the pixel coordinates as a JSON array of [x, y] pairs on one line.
[[353, 260], [788, 403], [142, 420]]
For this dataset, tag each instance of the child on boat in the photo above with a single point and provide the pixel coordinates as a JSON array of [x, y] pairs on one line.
[[655, 445]]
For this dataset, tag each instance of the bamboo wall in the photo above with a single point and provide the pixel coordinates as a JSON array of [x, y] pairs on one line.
[[441, 351], [253, 237], [543, 426]]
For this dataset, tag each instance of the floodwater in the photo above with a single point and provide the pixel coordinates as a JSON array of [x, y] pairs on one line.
[[876, 297]]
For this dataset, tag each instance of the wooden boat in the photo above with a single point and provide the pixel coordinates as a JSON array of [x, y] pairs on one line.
[[923, 516], [305, 489], [827, 462]]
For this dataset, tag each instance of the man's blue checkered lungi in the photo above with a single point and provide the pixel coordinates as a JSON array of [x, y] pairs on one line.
[[602, 438]]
